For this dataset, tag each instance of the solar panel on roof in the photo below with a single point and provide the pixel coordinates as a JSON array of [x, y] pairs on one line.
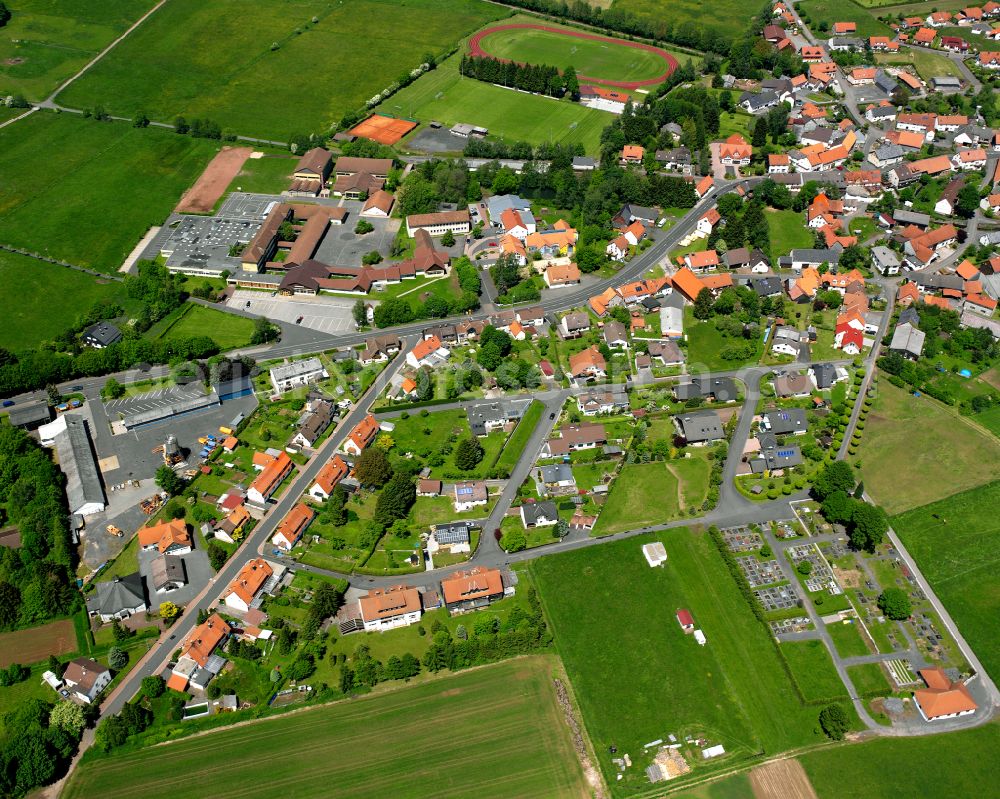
[[786, 453]]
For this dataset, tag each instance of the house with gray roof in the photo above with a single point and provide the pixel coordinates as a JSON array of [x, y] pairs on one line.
[[720, 389], [885, 260], [700, 427], [908, 341], [886, 155], [557, 479], [118, 599], [785, 421], [539, 514]]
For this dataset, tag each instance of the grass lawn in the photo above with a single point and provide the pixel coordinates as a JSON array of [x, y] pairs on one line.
[[514, 448], [813, 669], [897, 768], [868, 678], [268, 175], [927, 62], [244, 65], [95, 207], [447, 97], [728, 17], [635, 685], [847, 638], [903, 443], [707, 344], [369, 742], [227, 330], [67, 293], [830, 11], [788, 232], [47, 41], [735, 122], [693, 474], [127, 561], [595, 59], [643, 494], [956, 545]]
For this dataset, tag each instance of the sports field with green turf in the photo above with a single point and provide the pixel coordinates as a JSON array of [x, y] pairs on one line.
[[445, 96], [639, 677], [598, 59], [85, 191], [493, 731], [268, 69], [48, 41], [57, 297], [956, 543]]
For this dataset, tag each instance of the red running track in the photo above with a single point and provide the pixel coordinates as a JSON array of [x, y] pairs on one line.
[[476, 50]]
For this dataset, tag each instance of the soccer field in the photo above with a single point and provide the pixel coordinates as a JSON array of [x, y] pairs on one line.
[[449, 98], [47, 41], [267, 68], [596, 59], [86, 191], [492, 731], [639, 678]]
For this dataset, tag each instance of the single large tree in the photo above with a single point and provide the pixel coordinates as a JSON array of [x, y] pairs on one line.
[[895, 604], [868, 526], [395, 500], [834, 721], [468, 453], [837, 476], [373, 468]]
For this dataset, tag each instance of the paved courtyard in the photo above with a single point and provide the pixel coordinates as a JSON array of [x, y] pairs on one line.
[[341, 246], [327, 314]]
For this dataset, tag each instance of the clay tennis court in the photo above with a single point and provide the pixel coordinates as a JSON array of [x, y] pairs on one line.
[[782, 779], [476, 49], [213, 182], [37, 643], [384, 130]]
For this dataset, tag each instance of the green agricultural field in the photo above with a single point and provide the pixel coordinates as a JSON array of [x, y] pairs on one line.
[[903, 443], [267, 69], [112, 183], [368, 745], [445, 96], [900, 768], [813, 669], [638, 677], [48, 41], [788, 232], [595, 59], [830, 11], [728, 18], [956, 545], [990, 420], [67, 294], [227, 330]]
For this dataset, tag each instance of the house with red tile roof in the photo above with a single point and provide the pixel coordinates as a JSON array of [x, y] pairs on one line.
[[842, 28], [703, 186], [472, 589], [942, 698], [269, 479], [166, 538], [778, 164], [687, 284], [333, 471], [293, 526], [708, 221], [242, 591], [632, 154], [588, 364], [362, 435], [702, 261], [735, 151], [618, 249], [428, 352]]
